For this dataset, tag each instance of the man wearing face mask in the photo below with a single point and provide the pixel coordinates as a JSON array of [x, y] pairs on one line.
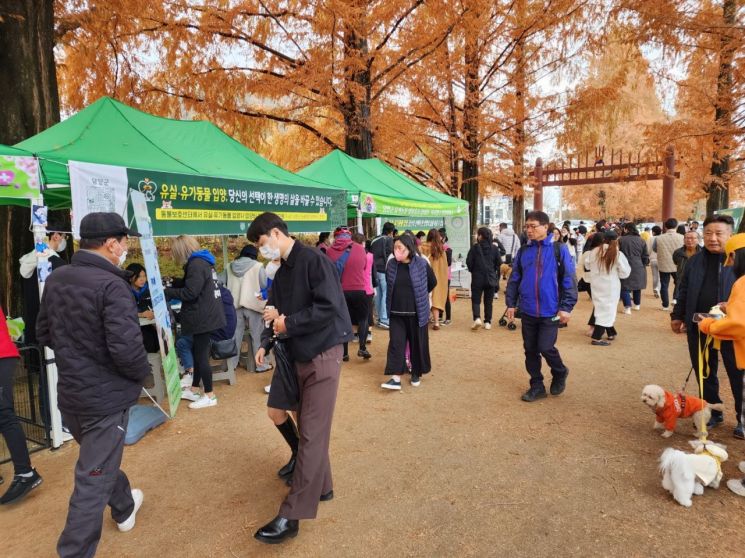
[[88, 317], [306, 305]]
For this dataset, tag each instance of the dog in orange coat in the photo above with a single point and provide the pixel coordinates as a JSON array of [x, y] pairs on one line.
[[668, 408]]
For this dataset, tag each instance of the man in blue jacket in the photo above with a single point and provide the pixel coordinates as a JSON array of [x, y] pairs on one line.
[[543, 279]]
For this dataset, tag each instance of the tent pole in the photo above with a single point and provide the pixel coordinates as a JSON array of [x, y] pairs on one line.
[[224, 252], [40, 245]]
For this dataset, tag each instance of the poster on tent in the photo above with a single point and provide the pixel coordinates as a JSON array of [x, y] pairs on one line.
[[160, 305], [459, 240], [19, 177], [96, 188], [410, 209], [188, 204]]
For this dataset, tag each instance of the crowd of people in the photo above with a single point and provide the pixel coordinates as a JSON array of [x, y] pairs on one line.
[[301, 308]]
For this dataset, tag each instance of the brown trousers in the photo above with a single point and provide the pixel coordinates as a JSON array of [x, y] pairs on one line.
[[318, 381]]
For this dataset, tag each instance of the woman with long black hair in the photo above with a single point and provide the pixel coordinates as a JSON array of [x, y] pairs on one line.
[[483, 261], [410, 279]]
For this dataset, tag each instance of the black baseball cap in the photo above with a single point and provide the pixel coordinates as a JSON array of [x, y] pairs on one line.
[[104, 225]]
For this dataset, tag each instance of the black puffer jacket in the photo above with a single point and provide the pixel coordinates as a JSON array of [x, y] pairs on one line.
[[88, 317], [199, 293]]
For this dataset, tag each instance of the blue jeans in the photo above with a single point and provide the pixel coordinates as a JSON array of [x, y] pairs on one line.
[[380, 296], [626, 298], [183, 349]]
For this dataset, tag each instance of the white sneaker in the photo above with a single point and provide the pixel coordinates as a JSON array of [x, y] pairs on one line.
[[675, 301], [268, 388], [369, 337], [187, 380], [487, 325], [190, 395], [476, 324], [637, 307], [129, 523], [203, 402], [496, 296], [741, 466], [627, 310]]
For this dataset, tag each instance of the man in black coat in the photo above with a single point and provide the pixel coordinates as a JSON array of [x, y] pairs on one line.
[[88, 317], [306, 304], [381, 248]]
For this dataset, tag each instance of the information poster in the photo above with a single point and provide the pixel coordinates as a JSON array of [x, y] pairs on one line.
[[160, 305], [202, 205], [19, 177]]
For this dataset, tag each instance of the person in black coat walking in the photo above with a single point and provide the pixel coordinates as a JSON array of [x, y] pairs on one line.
[[88, 317], [201, 312], [483, 261], [306, 307]]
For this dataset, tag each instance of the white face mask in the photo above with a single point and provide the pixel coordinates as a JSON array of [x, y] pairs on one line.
[[270, 252], [271, 270], [122, 258], [62, 245]]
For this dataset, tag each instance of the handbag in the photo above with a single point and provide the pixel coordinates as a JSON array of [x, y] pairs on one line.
[[225, 348], [582, 285]]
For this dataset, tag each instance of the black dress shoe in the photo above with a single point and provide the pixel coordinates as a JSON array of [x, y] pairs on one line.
[[277, 530], [288, 469], [328, 496], [558, 384]]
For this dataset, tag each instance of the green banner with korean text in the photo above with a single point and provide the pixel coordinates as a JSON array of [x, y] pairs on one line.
[[199, 205], [373, 204]]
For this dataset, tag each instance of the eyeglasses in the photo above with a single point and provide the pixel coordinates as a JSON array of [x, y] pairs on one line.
[[533, 227]]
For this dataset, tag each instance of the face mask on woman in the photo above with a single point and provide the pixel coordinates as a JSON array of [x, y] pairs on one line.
[[271, 269], [401, 254]]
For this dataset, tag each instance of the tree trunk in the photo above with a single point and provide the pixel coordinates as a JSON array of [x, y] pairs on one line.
[[718, 189], [519, 143], [471, 131], [358, 130], [27, 107]]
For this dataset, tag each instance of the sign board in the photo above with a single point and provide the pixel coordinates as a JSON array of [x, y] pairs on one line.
[[372, 204], [160, 305], [19, 177], [202, 205]]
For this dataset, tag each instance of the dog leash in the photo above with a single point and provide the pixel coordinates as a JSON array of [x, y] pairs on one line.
[[703, 373]]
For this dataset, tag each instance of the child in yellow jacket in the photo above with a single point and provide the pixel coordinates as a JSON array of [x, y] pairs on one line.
[[732, 326]]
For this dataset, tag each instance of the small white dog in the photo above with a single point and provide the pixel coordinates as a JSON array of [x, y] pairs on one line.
[[686, 474], [668, 408]]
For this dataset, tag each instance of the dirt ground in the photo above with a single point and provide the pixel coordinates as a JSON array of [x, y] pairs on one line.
[[456, 467]]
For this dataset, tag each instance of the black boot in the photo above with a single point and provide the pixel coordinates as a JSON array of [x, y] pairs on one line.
[[289, 433], [345, 357]]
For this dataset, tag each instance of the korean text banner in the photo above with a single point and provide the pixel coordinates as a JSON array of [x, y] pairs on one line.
[[19, 177], [199, 205], [373, 204]]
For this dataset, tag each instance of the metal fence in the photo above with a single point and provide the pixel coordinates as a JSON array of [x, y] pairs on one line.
[[30, 397]]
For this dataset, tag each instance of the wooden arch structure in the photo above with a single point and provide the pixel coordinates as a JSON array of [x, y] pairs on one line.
[[622, 168]]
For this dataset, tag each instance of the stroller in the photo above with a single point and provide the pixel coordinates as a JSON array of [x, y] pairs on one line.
[[511, 325]]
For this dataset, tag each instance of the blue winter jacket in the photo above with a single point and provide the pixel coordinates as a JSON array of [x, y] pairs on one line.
[[534, 280]]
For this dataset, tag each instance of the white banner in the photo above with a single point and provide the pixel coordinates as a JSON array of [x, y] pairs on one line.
[[96, 188], [160, 305]]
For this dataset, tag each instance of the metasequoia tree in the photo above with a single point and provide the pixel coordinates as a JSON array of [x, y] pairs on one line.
[[476, 107], [322, 67], [27, 107], [615, 106], [708, 39]]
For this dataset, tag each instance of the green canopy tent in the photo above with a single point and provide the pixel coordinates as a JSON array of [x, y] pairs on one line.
[[177, 161], [376, 189]]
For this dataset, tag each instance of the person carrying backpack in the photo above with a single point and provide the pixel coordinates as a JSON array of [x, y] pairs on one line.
[[543, 278], [350, 260]]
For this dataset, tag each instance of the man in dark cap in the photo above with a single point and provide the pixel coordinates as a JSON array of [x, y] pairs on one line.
[[88, 317]]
